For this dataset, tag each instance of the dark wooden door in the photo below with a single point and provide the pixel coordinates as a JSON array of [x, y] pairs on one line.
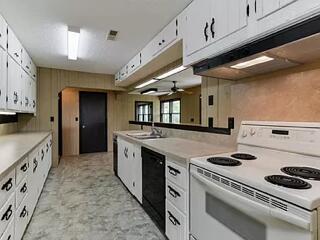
[[93, 122]]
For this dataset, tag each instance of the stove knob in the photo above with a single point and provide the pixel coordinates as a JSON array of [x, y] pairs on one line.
[[244, 133], [252, 132]]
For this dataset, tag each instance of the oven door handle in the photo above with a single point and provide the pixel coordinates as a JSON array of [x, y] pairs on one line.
[[237, 200]]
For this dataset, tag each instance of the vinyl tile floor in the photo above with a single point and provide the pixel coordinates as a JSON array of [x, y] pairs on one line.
[[83, 200]]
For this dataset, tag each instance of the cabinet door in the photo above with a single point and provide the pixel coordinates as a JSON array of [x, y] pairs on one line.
[[14, 85], [123, 72], [33, 96], [26, 61], [170, 33], [138, 173], [156, 45], [122, 155], [3, 78], [3, 33], [134, 63], [266, 7], [33, 70], [198, 26], [22, 215], [25, 91], [237, 15], [14, 46]]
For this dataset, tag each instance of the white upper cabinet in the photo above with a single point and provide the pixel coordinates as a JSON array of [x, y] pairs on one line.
[[26, 61], [14, 46], [3, 33], [14, 85], [134, 63], [209, 21], [3, 78], [124, 72]]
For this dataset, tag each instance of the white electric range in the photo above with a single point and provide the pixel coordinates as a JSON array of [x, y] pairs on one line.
[[268, 190]]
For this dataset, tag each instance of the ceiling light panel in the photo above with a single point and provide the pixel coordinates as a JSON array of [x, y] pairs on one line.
[[171, 72], [146, 83], [73, 42], [253, 62]]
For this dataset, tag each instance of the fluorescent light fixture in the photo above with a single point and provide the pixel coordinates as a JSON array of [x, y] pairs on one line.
[[250, 63], [73, 42], [149, 91], [171, 72], [7, 113], [146, 83]]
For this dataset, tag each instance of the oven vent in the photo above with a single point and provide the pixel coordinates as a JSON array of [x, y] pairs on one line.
[[225, 182], [236, 186], [280, 205], [262, 197], [248, 191]]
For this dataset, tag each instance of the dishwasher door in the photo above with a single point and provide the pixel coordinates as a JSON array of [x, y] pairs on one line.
[[153, 186]]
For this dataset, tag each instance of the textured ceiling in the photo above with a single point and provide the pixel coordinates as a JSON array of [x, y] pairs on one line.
[[41, 25]]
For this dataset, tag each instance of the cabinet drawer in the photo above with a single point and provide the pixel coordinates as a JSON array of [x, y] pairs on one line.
[[175, 223], [9, 233], [22, 191], [7, 185], [21, 219], [22, 170], [14, 46], [176, 174], [177, 196], [7, 214], [3, 33]]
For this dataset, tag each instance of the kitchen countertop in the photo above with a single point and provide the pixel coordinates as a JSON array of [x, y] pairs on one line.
[[177, 149], [14, 147]]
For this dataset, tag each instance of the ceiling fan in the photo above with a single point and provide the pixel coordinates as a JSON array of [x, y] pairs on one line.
[[175, 89]]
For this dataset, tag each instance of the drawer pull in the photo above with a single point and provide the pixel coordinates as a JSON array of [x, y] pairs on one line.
[[8, 185], [24, 188], [7, 215], [173, 220], [42, 154], [24, 212], [173, 192], [173, 171], [24, 167], [35, 162]]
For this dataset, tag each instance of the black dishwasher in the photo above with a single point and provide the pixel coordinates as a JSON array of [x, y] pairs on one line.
[[153, 186]]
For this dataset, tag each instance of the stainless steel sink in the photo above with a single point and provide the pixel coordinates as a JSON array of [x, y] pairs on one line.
[[144, 136]]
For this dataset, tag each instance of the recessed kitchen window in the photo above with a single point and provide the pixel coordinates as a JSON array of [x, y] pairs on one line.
[[170, 111], [144, 111]]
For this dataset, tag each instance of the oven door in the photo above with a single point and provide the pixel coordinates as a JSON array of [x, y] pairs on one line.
[[218, 213]]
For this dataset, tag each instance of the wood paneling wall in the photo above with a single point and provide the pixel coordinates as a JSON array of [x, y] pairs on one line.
[[50, 83]]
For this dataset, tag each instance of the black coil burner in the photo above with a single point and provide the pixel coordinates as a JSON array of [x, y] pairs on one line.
[[243, 156], [288, 182], [223, 161], [303, 172]]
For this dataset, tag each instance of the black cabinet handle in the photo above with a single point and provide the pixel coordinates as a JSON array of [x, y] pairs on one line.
[[173, 171], [24, 167], [24, 212], [6, 216], [133, 66], [213, 22], [173, 192], [206, 32], [34, 103], [16, 54], [163, 41], [27, 67], [42, 154], [160, 43], [35, 162], [8, 185], [47, 147], [172, 219], [248, 10], [24, 188], [255, 6], [9, 237]]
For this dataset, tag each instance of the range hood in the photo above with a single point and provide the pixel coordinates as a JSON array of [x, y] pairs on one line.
[[297, 45]]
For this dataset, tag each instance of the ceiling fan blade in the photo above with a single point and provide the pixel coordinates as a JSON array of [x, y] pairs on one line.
[[180, 90], [170, 94]]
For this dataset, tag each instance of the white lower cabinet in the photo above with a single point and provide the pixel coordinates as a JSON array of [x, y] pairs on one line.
[[130, 167], [20, 190], [175, 223], [9, 233], [177, 212], [7, 213], [22, 216]]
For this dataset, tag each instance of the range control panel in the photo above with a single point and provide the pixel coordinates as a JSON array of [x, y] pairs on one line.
[[299, 138]]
